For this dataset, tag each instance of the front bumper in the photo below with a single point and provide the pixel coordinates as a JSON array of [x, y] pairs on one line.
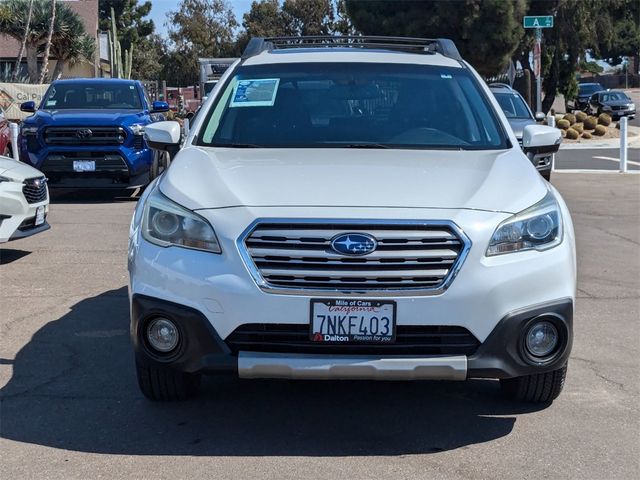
[[616, 114], [17, 216], [201, 350]]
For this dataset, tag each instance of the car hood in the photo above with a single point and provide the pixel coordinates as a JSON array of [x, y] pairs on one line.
[[502, 180], [86, 117], [518, 124], [17, 170], [618, 103]]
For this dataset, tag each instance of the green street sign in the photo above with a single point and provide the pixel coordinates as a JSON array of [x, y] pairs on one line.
[[544, 21]]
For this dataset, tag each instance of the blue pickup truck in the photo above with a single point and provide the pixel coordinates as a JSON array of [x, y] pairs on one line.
[[90, 133]]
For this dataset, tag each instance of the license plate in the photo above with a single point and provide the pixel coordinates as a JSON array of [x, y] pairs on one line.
[[84, 165], [39, 216], [353, 321]]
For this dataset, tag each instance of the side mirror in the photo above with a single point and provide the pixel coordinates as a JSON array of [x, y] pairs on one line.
[[163, 136], [157, 107], [28, 106], [537, 139], [539, 116]]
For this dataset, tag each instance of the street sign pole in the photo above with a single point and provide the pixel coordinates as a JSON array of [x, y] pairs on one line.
[[538, 23], [538, 60]]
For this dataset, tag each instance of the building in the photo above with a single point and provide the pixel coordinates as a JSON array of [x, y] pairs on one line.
[[88, 12]]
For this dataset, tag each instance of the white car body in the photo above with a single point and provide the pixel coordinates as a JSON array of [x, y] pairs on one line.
[[236, 189], [24, 200]]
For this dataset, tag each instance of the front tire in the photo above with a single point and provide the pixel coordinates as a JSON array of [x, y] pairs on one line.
[[166, 385], [537, 388]]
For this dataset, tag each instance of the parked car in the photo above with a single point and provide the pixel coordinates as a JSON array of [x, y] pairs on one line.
[[24, 200], [360, 212], [89, 132], [612, 102], [581, 101], [5, 137], [519, 115]]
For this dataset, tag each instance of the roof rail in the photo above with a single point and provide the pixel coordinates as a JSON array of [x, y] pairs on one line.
[[443, 46], [500, 85]]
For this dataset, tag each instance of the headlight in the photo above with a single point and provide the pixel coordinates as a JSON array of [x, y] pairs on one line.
[[29, 130], [631, 106], [137, 128], [537, 228], [166, 223]]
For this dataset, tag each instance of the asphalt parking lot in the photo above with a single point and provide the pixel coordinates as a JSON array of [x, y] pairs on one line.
[[71, 408]]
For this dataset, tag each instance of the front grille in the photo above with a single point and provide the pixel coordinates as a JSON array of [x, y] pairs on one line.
[[618, 107], [410, 340], [409, 256], [84, 136], [105, 162], [35, 189]]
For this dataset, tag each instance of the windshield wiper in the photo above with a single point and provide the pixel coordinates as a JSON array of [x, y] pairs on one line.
[[236, 145], [364, 145]]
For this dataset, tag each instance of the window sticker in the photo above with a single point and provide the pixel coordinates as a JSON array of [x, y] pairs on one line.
[[51, 103], [445, 75], [255, 93]]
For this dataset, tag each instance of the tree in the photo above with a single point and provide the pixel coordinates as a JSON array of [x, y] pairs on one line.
[[148, 58], [487, 32], [16, 70], [130, 20], [47, 48], [308, 17], [199, 28]]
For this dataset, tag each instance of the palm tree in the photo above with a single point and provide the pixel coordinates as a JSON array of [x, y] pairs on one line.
[[72, 51], [16, 70], [47, 48]]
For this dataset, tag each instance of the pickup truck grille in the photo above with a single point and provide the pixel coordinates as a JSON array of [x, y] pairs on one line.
[[410, 340], [35, 189], [409, 256], [105, 162], [84, 136]]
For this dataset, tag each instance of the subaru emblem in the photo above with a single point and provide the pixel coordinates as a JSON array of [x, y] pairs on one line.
[[354, 244]]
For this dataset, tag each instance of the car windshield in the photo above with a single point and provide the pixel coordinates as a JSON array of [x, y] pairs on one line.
[[588, 88], [512, 105], [614, 97], [96, 96], [352, 105]]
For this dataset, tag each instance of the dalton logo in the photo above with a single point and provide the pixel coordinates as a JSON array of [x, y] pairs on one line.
[[317, 337]]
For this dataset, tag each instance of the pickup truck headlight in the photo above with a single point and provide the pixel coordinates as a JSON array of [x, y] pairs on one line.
[[631, 106], [29, 130], [539, 227], [166, 223], [137, 128]]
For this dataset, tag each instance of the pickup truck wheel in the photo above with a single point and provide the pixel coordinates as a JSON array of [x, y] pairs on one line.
[[166, 385], [160, 164], [537, 388]]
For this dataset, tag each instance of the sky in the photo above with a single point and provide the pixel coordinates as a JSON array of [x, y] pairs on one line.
[[160, 9]]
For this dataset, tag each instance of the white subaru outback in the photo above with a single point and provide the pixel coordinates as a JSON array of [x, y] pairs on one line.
[[351, 208]]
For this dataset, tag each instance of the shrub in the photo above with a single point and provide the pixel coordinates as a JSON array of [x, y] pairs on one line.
[[600, 130], [590, 123], [604, 119], [570, 117], [586, 135], [564, 124], [580, 116], [572, 134]]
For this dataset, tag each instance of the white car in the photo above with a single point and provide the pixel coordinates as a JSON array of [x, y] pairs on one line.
[[24, 200], [355, 209]]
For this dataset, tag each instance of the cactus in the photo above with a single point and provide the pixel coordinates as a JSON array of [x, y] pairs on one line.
[[120, 66], [586, 135], [581, 116], [578, 127], [564, 124], [604, 119], [572, 134], [570, 117], [600, 130], [590, 123]]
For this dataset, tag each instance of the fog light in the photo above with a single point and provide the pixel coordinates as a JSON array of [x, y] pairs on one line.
[[542, 339], [162, 335]]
